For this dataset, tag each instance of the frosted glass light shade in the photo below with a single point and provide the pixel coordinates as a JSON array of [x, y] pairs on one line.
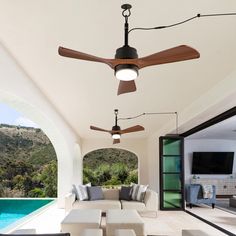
[[126, 74], [116, 136]]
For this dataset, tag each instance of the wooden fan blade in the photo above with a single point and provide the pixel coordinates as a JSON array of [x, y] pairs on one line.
[[180, 53], [99, 129], [126, 87], [66, 52], [115, 141], [175, 54], [135, 128]]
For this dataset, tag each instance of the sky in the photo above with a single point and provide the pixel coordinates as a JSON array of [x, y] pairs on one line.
[[10, 116]]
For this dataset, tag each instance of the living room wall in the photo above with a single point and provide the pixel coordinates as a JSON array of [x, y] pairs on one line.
[[207, 145]]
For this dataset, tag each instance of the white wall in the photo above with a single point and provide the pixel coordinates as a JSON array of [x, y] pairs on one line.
[[18, 91], [137, 146], [206, 145]]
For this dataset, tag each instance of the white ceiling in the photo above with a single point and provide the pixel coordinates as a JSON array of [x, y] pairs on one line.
[[84, 93], [223, 130]]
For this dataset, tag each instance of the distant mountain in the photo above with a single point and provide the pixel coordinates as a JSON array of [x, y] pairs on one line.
[[110, 156], [28, 163], [24, 143]]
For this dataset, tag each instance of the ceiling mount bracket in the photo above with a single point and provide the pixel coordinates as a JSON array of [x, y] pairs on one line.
[[126, 6], [126, 14]]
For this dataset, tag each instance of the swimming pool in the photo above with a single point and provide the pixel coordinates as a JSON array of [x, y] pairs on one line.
[[13, 210]]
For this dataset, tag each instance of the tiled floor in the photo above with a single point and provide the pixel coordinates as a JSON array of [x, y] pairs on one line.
[[219, 217], [168, 223]]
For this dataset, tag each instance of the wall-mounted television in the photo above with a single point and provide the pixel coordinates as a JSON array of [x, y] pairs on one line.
[[217, 163]]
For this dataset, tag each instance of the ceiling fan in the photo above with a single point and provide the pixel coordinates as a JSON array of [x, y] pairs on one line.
[[126, 63], [116, 131]]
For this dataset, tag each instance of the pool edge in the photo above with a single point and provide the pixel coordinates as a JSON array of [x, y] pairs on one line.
[[30, 216]]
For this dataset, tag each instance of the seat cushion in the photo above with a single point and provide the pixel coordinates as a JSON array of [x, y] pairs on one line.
[[139, 206], [97, 204]]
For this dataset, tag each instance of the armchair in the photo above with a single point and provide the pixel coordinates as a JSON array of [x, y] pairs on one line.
[[194, 195]]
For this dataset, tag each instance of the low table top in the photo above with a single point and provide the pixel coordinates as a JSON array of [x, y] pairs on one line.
[[126, 216], [83, 216]]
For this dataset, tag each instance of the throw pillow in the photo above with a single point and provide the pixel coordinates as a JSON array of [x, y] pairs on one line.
[[125, 193], [81, 191], [95, 193], [138, 192]]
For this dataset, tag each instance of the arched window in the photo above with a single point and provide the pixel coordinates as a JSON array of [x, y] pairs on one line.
[[110, 167]]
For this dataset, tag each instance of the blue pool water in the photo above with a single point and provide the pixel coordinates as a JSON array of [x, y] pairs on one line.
[[12, 210]]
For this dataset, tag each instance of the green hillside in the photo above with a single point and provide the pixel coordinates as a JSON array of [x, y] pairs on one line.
[[28, 164], [110, 166]]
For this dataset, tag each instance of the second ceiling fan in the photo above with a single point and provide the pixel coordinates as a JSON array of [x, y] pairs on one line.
[[116, 131], [126, 63]]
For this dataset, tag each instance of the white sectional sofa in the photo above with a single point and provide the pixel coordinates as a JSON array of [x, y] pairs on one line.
[[111, 201]]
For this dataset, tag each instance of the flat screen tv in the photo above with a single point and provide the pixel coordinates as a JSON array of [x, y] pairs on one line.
[[217, 163]]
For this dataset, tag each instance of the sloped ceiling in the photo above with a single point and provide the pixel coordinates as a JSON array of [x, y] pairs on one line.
[[84, 93]]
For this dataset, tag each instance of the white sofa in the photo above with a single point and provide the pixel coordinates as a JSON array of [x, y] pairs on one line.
[[111, 201]]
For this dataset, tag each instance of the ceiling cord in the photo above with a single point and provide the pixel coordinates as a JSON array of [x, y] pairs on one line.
[[156, 113], [182, 22]]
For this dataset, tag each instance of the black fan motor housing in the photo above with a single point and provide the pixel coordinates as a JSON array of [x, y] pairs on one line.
[[116, 128], [126, 52]]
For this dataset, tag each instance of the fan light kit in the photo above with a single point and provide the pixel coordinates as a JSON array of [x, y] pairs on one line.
[[116, 136], [126, 72], [127, 64], [116, 131]]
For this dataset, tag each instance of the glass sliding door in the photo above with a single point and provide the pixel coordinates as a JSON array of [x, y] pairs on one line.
[[171, 173]]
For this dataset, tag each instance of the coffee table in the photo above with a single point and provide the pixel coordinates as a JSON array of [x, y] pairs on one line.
[[124, 219], [80, 219]]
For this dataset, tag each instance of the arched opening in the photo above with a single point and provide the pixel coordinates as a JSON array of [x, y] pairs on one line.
[[67, 153], [20, 92], [28, 166], [110, 167]]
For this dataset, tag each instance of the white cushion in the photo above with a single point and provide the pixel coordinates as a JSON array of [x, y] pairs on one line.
[[97, 204], [81, 191], [139, 206], [138, 192]]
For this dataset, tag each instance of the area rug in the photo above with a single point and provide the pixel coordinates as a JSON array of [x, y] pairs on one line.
[[223, 204]]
